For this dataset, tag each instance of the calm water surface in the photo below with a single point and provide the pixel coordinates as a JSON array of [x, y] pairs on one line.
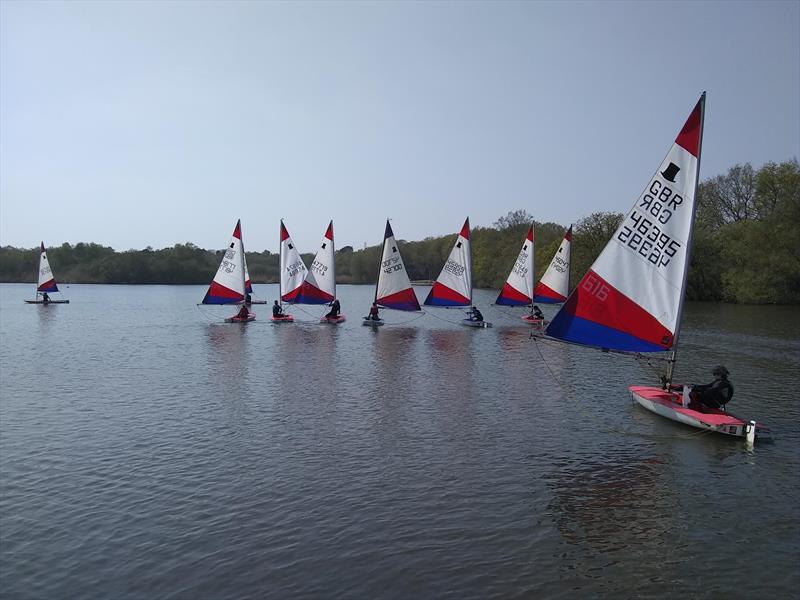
[[149, 451]]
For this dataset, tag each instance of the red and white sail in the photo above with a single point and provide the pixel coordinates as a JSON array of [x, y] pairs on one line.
[[632, 296], [518, 288], [453, 287], [319, 286], [553, 287], [393, 289], [228, 285], [46, 282], [293, 269]]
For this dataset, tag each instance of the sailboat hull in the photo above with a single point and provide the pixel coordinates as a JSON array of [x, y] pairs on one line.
[[333, 320], [534, 321], [250, 317], [48, 302], [283, 319], [670, 405], [476, 324], [368, 322]]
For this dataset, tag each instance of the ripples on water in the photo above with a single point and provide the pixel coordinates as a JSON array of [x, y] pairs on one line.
[[157, 453]]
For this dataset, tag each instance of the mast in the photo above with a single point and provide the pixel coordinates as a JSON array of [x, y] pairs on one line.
[[469, 232], [244, 277], [333, 260], [280, 264], [380, 264], [673, 355], [533, 264]]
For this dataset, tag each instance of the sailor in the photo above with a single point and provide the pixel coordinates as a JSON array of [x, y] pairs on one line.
[[243, 313], [335, 309], [373, 312], [45, 297], [475, 314], [277, 310], [713, 395], [537, 313], [717, 393]]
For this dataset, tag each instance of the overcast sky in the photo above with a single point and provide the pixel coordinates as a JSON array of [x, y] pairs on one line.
[[137, 124]]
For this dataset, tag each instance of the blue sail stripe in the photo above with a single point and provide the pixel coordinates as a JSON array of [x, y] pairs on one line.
[[574, 329]]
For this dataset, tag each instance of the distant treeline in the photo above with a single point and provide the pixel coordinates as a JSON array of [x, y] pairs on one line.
[[746, 247]]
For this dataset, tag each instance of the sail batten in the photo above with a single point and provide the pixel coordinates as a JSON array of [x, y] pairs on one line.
[[631, 297]]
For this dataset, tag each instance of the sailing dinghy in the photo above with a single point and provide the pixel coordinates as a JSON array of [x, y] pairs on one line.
[[553, 287], [229, 284], [319, 286], [632, 298], [393, 289], [293, 272], [518, 289], [453, 286], [46, 283]]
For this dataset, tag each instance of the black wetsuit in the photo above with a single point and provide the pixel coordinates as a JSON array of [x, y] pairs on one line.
[[476, 315], [334, 312], [715, 394], [277, 311]]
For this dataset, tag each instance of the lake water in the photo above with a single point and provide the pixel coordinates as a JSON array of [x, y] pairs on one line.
[[149, 451]]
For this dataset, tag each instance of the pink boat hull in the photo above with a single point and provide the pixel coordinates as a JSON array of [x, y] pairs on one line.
[[333, 320], [670, 405]]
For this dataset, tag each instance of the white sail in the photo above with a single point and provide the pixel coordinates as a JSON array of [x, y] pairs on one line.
[[319, 286], [293, 270], [453, 287], [553, 287], [393, 289], [228, 285]]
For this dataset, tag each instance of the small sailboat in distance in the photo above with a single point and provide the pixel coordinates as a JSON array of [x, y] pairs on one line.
[[229, 283], [632, 297], [518, 288], [46, 283], [553, 287], [292, 274], [393, 289], [319, 286], [453, 286]]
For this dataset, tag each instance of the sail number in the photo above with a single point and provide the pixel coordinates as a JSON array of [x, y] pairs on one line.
[[45, 269], [295, 268], [660, 201], [519, 266], [318, 267], [560, 265], [454, 268], [596, 287], [645, 237], [391, 265]]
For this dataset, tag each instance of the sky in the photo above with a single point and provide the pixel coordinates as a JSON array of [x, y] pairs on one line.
[[135, 124]]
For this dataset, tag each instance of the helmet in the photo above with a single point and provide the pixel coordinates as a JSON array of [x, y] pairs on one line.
[[720, 370]]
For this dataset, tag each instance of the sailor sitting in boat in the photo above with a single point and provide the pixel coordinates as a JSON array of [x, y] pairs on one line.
[[712, 395], [537, 313], [243, 313], [475, 314], [335, 309], [277, 310], [373, 313], [45, 297]]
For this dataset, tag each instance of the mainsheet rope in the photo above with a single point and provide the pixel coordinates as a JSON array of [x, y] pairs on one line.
[[571, 393]]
